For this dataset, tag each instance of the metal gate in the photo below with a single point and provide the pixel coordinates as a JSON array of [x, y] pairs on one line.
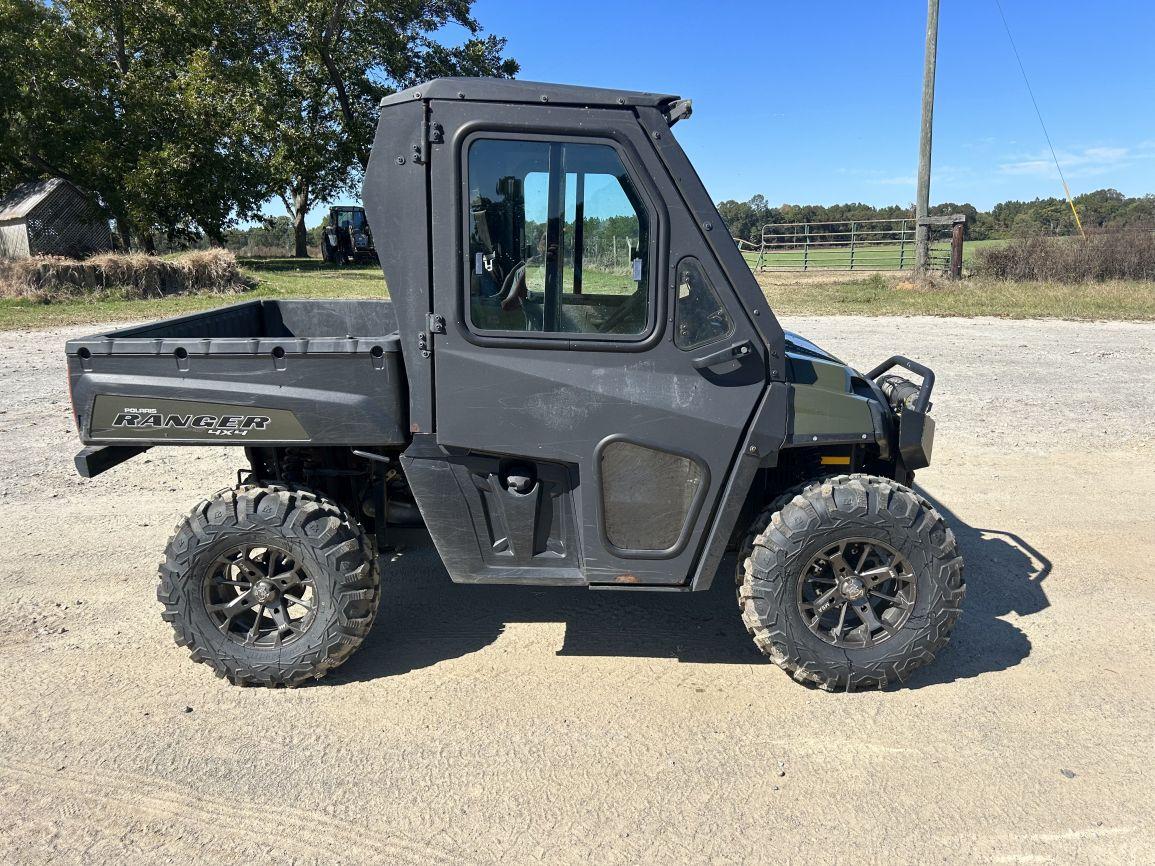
[[857, 245]]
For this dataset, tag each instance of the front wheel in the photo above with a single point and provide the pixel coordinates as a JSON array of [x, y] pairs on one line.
[[269, 585], [854, 582]]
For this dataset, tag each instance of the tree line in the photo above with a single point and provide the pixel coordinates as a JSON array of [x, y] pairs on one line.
[[1101, 209], [1105, 209], [185, 119]]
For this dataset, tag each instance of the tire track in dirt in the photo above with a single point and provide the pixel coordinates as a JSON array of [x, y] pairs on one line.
[[322, 835]]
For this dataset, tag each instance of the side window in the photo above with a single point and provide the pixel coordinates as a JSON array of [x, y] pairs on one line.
[[558, 240], [699, 315]]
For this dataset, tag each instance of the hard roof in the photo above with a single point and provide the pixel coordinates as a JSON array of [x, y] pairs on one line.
[[23, 198], [509, 90]]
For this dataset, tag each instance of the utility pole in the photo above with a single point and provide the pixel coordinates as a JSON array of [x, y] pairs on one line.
[[922, 231]]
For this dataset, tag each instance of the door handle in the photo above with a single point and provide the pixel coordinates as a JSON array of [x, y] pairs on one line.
[[735, 352]]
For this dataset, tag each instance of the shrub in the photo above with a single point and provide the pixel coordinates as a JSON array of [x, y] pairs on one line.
[[133, 275], [1109, 256]]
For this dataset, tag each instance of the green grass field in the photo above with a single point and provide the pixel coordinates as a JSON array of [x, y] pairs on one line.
[[814, 293]]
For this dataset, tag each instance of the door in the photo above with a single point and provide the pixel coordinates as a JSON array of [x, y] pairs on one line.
[[591, 348]]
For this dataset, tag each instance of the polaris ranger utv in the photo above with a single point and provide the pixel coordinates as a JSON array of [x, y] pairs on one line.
[[576, 382]]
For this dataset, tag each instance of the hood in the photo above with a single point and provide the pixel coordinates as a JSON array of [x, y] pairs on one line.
[[799, 345]]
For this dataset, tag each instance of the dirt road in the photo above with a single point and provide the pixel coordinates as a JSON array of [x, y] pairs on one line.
[[524, 725]]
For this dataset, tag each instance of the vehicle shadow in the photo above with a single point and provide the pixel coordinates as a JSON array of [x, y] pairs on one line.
[[426, 619], [1004, 574]]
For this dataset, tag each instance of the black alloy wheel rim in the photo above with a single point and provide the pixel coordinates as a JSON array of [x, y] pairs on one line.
[[856, 593], [258, 595]]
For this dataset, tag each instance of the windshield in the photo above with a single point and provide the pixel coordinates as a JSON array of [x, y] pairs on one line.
[[352, 218], [797, 343]]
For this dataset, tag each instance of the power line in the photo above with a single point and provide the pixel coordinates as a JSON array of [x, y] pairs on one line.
[[1042, 123]]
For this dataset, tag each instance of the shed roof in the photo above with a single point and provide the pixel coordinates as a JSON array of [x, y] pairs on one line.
[[22, 199]]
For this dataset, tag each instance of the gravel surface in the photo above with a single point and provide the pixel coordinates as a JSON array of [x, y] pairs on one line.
[[486, 724]]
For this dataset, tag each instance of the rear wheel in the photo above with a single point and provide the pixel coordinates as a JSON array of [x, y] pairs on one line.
[[269, 585], [851, 583]]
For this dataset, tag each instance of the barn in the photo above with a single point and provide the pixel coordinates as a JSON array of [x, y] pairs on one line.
[[50, 217]]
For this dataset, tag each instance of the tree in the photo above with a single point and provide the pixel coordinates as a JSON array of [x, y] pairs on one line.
[[328, 67], [48, 82], [1102, 209], [145, 104], [746, 218], [184, 118]]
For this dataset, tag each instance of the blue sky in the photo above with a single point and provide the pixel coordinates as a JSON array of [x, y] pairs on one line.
[[819, 102]]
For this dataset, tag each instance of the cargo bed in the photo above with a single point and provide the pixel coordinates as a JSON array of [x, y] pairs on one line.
[[261, 372]]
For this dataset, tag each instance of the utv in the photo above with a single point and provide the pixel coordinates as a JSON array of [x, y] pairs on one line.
[[576, 382], [346, 237]]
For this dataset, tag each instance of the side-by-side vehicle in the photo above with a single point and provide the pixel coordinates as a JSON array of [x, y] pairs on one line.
[[576, 381]]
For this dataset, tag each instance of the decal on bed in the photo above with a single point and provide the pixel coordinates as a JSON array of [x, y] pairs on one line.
[[139, 418]]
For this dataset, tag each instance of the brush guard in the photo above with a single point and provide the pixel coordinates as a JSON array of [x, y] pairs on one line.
[[915, 426]]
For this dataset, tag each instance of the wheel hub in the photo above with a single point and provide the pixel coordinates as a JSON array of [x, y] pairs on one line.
[[259, 595], [265, 592], [853, 588], [857, 592]]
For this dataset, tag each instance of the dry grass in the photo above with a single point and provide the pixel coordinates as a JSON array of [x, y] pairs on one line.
[[1126, 255], [898, 295], [52, 279], [272, 278]]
